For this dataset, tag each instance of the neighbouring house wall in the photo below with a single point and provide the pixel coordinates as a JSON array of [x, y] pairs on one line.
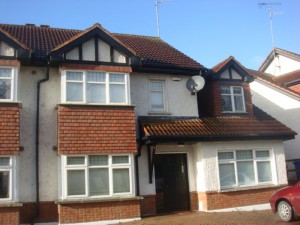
[[282, 107], [282, 65], [176, 91]]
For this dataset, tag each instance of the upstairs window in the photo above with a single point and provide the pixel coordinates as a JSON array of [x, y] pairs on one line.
[[93, 87], [7, 84], [232, 99], [157, 96], [241, 168]]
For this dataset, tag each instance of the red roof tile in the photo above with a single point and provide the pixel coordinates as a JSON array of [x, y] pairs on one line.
[[214, 128], [152, 50]]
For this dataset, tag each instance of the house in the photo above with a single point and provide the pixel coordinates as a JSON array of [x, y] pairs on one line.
[[276, 90], [99, 127]]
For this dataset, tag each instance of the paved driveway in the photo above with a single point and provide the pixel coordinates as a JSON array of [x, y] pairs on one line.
[[264, 217]]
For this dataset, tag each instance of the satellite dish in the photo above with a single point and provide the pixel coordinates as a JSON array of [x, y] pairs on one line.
[[195, 83]]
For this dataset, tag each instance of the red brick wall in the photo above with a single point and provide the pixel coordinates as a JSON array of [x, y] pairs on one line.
[[48, 212], [9, 216], [148, 205], [89, 212], [10, 128], [96, 129], [13, 63], [222, 200], [209, 99], [122, 69]]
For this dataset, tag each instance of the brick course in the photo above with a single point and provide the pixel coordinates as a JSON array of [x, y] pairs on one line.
[[89, 212], [96, 129], [10, 128], [9, 216], [148, 205]]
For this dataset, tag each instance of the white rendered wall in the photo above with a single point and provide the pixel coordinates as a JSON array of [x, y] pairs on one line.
[[50, 90], [282, 65], [281, 106], [179, 101]]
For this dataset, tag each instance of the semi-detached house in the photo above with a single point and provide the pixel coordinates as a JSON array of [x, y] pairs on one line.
[[98, 127]]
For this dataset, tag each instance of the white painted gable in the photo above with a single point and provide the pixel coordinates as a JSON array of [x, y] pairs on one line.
[[235, 75], [6, 50]]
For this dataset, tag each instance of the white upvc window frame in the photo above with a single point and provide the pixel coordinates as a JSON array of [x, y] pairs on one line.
[[85, 167], [12, 170], [255, 160], [107, 84], [232, 95], [163, 92], [13, 79]]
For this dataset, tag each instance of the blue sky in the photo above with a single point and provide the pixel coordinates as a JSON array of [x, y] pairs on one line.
[[209, 31]]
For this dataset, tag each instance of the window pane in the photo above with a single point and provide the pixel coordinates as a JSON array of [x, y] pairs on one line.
[[95, 77], [262, 154], [120, 159], [116, 78], [246, 173], [121, 180], [225, 155], [75, 160], [227, 175], [156, 86], [157, 101], [98, 180], [225, 90], [5, 72], [264, 171], [74, 76], [117, 93], [237, 90], [226, 103], [98, 160], [244, 154], [4, 184], [76, 182], [74, 92], [4, 161], [95, 93], [5, 89], [239, 103]]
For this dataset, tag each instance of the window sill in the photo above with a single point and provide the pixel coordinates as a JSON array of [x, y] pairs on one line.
[[251, 188], [95, 200], [10, 104], [83, 105], [159, 113], [10, 204]]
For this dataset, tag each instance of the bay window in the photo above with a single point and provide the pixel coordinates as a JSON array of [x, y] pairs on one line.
[[232, 99], [238, 168], [97, 176], [7, 84], [95, 87], [7, 178]]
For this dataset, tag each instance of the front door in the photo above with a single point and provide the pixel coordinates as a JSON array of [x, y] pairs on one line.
[[171, 182]]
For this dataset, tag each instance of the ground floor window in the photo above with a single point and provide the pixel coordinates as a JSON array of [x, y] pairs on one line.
[[238, 168], [97, 175], [7, 177]]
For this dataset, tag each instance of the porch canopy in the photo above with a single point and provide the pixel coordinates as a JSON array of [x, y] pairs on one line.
[[261, 126]]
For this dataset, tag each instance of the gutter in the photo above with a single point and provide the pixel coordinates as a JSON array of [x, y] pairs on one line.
[[37, 131]]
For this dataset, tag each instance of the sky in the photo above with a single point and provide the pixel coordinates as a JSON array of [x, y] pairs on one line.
[[209, 31]]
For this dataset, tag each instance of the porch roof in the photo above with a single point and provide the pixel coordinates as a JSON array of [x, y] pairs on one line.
[[222, 128]]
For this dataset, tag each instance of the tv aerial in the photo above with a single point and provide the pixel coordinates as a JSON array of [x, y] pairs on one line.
[[157, 2], [195, 83]]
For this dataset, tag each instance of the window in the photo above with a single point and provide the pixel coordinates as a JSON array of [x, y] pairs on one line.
[[157, 98], [7, 178], [244, 168], [95, 87], [97, 176], [232, 99], [7, 84]]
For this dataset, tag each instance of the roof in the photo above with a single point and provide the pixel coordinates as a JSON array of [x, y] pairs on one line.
[[277, 51], [274, 81], [176, 129], [288, 78], [153, 51]]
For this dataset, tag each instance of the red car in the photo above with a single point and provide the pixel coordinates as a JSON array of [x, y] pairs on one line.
[[286, 202]]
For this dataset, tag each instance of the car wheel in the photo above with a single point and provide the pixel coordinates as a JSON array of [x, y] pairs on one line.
[[285, 211]]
